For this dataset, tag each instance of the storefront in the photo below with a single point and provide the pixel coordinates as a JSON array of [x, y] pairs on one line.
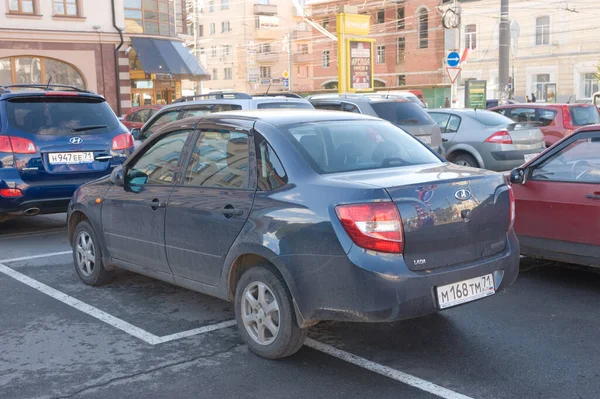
[[156, 69]]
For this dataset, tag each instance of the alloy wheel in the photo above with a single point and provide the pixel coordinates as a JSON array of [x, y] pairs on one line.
[[86, 254], [260, 313]]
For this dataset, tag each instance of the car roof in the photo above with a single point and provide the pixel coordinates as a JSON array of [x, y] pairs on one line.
[[358, 99], [289, 117], [588, 128], [38, 90], [253, 100]]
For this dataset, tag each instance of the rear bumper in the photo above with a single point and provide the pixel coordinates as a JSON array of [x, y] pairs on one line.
[[335, 288], [506, 160]]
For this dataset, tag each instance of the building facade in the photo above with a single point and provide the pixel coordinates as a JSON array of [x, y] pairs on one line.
[[555, 48], [409, 47], [71, 42], [245, 45]]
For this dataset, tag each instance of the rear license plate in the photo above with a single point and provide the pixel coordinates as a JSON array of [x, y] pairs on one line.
[[465, 291], [70, 157], [529, 157], [425, 139]]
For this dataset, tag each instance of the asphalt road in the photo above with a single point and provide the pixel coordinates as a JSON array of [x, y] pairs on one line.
[[62, 339]]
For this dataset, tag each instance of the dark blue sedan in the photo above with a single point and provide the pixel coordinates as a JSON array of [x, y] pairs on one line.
[[52, 140], [297, 217]]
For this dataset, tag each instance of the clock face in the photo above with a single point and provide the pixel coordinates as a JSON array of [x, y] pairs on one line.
[[451, 19]]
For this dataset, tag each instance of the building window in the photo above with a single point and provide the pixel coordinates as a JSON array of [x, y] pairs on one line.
[[213, 28], [541, 82], [400, 18], [26, 70], [380, 55], [471, 36], [542, 31], [401, 80], [325, 59], [200, 30], [380, 16], [225, 27], [303, 48], [400, 47], [66, 8], [215, 74], [224, 4], [326, 24], [590, 85], [228, 75], [423, 20], [211, 6], [264, 47], [226, 50], [265, 72], [152, 17], [21, 7], [213, 51]]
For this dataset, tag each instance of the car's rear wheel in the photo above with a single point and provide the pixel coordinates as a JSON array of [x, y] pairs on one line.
[[465, 160], [87, 256], [265, 314]]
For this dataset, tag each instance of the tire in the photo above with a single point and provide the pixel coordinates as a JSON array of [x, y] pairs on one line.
[[87, 256], [288, 338], [465, 160]]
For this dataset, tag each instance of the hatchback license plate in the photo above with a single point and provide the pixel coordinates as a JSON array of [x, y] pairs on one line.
[[465, 291], [71, 157], [529, 157], [425, 139]]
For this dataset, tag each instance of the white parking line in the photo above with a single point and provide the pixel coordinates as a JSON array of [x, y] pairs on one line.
[[152, 339], [385, 371]]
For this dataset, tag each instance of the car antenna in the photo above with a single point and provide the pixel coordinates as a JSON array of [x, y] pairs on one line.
[[388, 93], [48, 84], [268, 88], [569, 100]]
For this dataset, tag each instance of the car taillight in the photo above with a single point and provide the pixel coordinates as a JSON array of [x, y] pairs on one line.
[[501, 137], [16, 145], [122, 141], [375, 226], [567, 120], [511, 195], [10, 192]]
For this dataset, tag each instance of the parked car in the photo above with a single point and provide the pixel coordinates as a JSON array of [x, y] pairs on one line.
[[299, 216], [558, 200], [402, 113], [198, 105], [53, 139], [136, 118], [484, 139], [556, 120], [401, 95], [494, 103]]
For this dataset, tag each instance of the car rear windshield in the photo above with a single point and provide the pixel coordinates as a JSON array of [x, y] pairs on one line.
[[349, 145], [285, 104], [584, 115], [60, 115], [402, 113], [490, 118]]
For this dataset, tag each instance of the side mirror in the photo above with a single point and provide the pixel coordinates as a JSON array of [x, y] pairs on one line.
[[117, 177], [135, 133], [517, 176]]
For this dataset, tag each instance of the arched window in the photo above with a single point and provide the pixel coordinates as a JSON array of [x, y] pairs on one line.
[[31, 69], [331, 85], [423, 28]]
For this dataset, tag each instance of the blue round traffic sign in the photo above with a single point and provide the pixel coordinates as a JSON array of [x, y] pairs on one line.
[[453, 59]]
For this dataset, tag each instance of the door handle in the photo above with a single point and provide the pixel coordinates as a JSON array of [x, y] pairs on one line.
[[444, 140], [229, 211], [103, 158], [155, 204], [595, 195]]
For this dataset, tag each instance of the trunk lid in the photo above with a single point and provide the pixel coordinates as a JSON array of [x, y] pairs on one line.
[[451, 215], [525, 134]]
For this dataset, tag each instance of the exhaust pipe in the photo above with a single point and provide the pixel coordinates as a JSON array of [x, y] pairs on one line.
[[31, 211]]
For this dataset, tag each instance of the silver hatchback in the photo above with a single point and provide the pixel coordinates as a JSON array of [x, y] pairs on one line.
[[485, 139]]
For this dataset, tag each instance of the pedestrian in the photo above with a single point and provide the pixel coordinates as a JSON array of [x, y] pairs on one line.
[[533, 98], [447, 103], [527, 100]]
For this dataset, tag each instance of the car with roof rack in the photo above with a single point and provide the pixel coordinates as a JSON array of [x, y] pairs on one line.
[[54, 138], [216, 101], [401, 112]]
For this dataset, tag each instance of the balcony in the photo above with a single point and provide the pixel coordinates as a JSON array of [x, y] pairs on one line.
[[267, 57], [300, 58], [265, 9]]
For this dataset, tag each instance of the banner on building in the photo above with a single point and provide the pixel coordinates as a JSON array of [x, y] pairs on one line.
[[360, 65]]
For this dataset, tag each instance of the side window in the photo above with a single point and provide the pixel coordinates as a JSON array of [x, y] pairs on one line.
[[441, 120], [347, 107], [159, 122], [159, 163], [220, 159], [132, 116], [271, 174], [327, 106], [523, 114], [579, 162], [546, 116], [453, 124], [140, 116], [502, 111]]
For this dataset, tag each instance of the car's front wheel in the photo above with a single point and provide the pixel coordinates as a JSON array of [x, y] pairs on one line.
[[265, 314], [87, 256]]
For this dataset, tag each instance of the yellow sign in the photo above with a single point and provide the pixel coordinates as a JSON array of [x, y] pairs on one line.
[[286, 75], [353, 24]]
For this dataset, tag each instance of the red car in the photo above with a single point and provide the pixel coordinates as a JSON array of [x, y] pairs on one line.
[[556, 120], [558, 200], [136, 118]]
